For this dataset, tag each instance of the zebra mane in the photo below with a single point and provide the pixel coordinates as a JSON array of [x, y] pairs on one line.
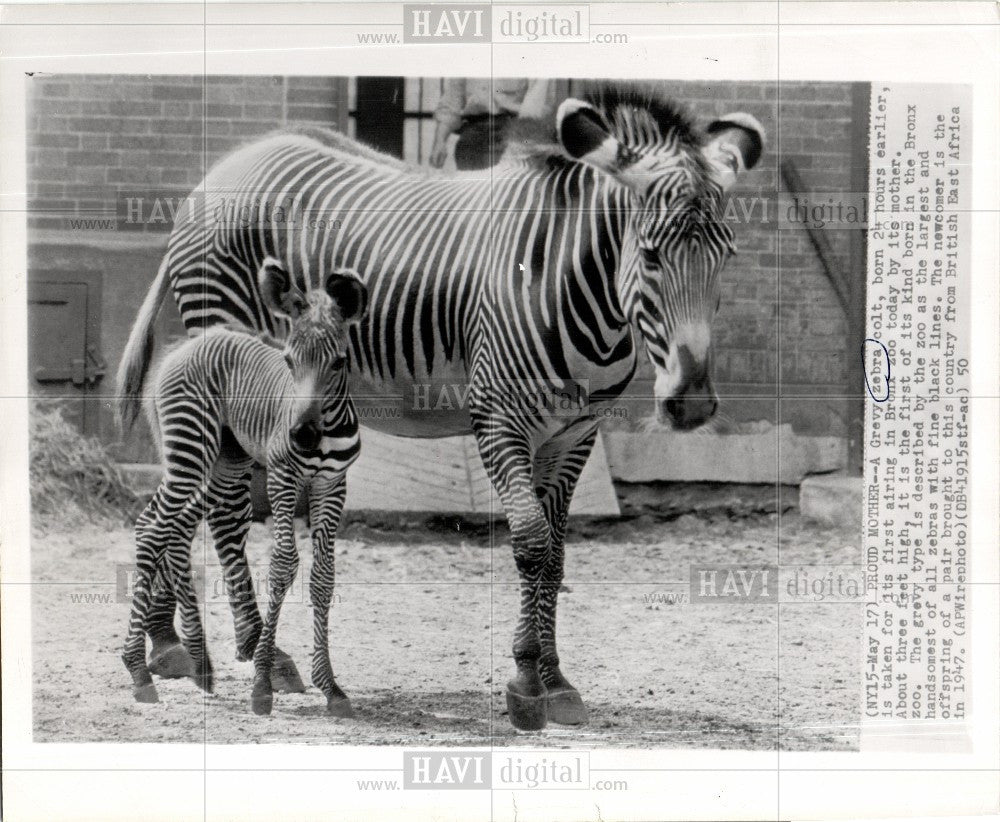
[[341, 142], [634, 105], [232, 328], [635, 112], [262, 336], [337, 142]]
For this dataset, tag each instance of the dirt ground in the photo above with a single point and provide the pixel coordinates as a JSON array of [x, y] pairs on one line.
[[421, 631]]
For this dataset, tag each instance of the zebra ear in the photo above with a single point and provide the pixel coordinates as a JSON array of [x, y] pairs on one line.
[[735, 145], [349, 293], [585, 136], [279, 291]]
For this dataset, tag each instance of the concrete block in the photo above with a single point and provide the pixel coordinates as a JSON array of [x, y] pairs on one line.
[[447, 476], [770, 454], [832, 499], [442, 476]]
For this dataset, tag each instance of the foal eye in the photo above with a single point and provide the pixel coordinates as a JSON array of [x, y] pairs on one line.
[[288, 361]]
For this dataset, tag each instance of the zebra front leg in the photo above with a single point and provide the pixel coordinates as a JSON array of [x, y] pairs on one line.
[[229, 516], [326, 501], [557, 468], [507, 459], [281, 574]]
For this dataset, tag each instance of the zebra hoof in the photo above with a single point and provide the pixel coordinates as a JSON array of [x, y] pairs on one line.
[[145, 693], [527, 713], [205, 681], [261, 704], [340, 706], [171, 661], [285, 677], [566, 707]]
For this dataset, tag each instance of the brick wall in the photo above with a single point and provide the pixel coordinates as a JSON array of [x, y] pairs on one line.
[[93, 135]]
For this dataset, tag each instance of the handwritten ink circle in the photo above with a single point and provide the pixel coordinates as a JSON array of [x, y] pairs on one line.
[[888, 368]]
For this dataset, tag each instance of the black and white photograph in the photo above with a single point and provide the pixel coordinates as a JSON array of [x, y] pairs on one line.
[[456, 429], [599, 267]]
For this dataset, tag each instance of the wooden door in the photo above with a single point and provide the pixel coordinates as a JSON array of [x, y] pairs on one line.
[[64, 358]]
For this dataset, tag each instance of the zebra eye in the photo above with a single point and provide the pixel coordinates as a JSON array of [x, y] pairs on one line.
[[649, 256], [288, 361]]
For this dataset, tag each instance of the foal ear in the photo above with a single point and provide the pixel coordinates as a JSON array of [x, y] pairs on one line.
[[349, 293], [585, 136], [279, 291]]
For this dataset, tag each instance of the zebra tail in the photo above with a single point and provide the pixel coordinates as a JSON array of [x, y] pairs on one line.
[[139, 350]]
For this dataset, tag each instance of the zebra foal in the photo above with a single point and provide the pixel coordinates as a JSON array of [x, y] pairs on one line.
[[219, 402]]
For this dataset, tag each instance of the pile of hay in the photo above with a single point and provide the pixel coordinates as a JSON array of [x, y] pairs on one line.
[[72, 477]]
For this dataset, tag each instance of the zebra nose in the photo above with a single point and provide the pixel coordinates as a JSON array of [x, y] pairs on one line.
[[306, 436], [689, 412]]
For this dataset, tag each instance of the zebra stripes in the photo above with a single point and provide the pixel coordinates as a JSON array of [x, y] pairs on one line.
[[548, 270], [217, 403]]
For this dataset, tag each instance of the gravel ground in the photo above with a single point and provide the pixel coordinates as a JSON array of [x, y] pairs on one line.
[[421, 631]]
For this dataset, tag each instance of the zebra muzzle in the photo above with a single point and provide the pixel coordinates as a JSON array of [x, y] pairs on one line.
[[687, 413], [306, 435]]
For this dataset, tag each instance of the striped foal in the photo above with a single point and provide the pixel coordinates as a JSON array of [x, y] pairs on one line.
[[219, 402]]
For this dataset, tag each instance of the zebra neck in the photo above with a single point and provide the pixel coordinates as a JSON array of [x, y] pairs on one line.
[[603, 211]]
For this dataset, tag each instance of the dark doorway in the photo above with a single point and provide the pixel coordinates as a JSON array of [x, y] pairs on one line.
[[379, 113]]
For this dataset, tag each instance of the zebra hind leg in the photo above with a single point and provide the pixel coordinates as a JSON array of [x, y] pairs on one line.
[[163, 537], [191, 430], [168, 658], [150, 539], [188, 507], [192, 628]]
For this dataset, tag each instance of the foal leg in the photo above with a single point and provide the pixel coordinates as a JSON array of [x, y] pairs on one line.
[[178, 561], [163, 526], [150, 539], [283, 491], [557, 467], [167, 657], [229, 516], [326, 501]]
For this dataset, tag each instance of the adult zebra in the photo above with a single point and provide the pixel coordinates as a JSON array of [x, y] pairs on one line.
[[532, 275]]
